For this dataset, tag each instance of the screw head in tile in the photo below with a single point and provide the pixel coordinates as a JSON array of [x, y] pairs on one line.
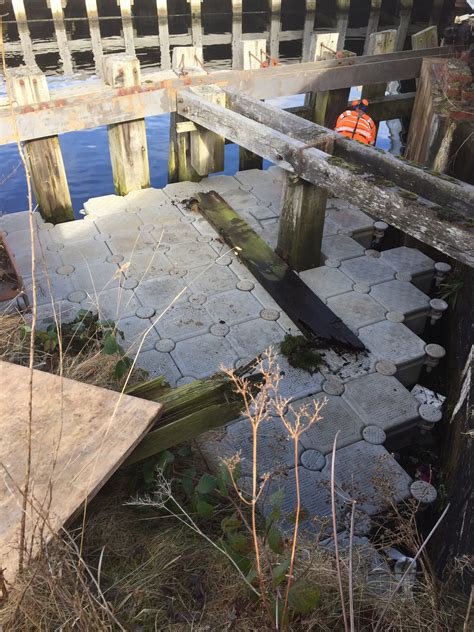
[[178, 272], [165, 345], [65, 270], [404, 276], [332, 263], [114, 258], [219, 329], [313, 460], [77, 297], [385, 367], [395, 317], [333, 386], [129, 284], [226, 260], [361, 288], [269, 314], [101, 237], [374, 435], [55, 247], [245, 285], [145, 312], [197, 299], [423, 492], [370, 252], [431, 414]]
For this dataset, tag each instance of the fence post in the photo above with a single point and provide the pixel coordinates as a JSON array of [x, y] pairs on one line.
[[127, 141], [308, 29], [342, 21], [373, 23], [275, 28], [45, 161]]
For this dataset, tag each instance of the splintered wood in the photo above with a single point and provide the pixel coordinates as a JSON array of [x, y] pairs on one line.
[[80, 434]]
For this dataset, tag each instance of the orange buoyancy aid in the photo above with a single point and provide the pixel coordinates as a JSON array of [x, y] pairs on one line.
[[358, 126]]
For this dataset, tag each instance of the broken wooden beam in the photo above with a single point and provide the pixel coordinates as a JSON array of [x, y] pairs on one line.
[[294, 297], [439, 189], [351, 183]]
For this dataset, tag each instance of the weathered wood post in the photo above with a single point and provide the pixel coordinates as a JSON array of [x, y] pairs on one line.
[[94, 30], [373, 23], [164, 35], [379, 43], [427, 38], [56, 7], [196, 26], [45, 161], [308, 29], [207, 148], [237, 60], [406, 7], [24, 32], [180, 168], [342, 21], [275, 28], [127, 26], [127, 141], [251, 59], [301, 225]]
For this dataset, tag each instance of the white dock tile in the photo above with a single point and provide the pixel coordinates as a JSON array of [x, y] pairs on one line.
[[157, 363], [326, 281], [233, 306], [356, 310], [368, 270], [340, 247], [204, 355]]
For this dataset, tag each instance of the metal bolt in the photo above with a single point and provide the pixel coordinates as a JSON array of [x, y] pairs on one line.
[[185, 109], [180, 100]]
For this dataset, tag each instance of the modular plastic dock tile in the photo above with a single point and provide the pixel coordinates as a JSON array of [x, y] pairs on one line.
[[191, 255], [139, 334], [326, 281], [368, 270], [233, 306], [381, 400], [146, 264], [370, 475], [111, 304], [159, 292], [175, 234], [184, 320], [336, 416], [350, 219], [254, 177], [252, 337], [356, 310], [340, 247], [400, 296], [393, 341], [204, 355], [211, 279], [105, 205], [157, 363], [94, 278], [82, 252]]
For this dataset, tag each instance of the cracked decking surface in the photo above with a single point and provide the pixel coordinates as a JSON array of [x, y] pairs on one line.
[[131, 256]]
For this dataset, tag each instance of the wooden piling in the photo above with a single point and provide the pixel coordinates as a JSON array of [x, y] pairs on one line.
[[308, 29], [379, 43], [301, 225], [237, 59], [127, 25], [342, 21], [207, 148], [61, 37], [44, 157], [127, 141], [196, 28], [406, 7], [373, 23], [275, 28], [94, 30], [24, 32], [163, 32], [427, 38]]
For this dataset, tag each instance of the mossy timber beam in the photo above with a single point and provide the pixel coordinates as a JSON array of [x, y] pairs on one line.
[[343, 179], [87, 107], [439, 189]]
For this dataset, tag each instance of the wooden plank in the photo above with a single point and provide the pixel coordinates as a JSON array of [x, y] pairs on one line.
[[317, 167], [91, 106], [94, 29], [196, 27], [342, 21], [163, 31], [300, 231], [308, 29], [294, 297], [373, 23], [61, 37], [427, 38], [405, 8], [81, 434], [275, 28], [127, 25], [45, 160], [443, 191], [23, 32], [380, 43], [127, 141]]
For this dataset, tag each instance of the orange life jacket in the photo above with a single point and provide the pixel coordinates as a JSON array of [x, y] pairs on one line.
[[357, 125]]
